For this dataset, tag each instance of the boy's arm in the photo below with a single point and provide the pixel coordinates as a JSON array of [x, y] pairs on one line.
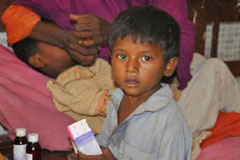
[[178, 9]]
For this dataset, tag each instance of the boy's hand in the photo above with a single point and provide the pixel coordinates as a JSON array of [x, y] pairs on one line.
[[106, 155], [91, 29]]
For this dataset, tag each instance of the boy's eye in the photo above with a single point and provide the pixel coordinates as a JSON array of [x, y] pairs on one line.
[[146, 58], [121, 56]]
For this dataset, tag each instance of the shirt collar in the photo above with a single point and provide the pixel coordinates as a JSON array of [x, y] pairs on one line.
[[154, 103]]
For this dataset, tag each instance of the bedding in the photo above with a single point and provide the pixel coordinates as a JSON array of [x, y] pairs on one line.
[[212, 88], [225, 149], [223, 140], [3, 39], [82, 92], [227, 124], [26, 102]]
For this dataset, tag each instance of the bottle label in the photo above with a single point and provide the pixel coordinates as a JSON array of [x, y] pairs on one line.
[[19, 151], [29, 156]]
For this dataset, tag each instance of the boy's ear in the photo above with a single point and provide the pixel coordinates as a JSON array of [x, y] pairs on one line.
[[170, 67], [36, 61]]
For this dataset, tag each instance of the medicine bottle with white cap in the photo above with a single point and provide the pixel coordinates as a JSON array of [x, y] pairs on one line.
[[33, 151], [20, 143]]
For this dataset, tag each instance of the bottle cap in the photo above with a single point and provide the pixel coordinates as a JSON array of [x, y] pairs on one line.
[[33, 137], [20, 132]]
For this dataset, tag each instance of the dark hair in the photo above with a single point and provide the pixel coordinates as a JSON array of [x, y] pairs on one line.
[[25, 49], [149, 24]]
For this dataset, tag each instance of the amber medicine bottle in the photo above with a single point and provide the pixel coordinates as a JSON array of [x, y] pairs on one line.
[[20, 143], [33, 151]]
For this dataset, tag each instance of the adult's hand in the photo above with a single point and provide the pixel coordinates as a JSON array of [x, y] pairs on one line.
[[52, 34], [85, 55], [91, 29]]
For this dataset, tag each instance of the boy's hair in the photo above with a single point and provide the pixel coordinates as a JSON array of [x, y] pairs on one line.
[[25, 49], [149, 24]]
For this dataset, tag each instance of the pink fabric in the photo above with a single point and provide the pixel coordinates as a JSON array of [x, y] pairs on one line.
[[25, 102], [59, 10], [226, 149]]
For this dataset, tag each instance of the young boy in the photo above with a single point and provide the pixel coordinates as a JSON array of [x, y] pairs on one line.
[[143, 121]]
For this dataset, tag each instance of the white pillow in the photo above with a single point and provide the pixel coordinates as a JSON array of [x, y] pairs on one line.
[[3, 40]]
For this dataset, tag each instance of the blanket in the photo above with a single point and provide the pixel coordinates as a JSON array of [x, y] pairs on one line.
[[227, 125], [82, 92]]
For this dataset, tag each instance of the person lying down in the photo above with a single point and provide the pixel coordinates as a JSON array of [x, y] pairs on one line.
[[33, 104], [80, 92]]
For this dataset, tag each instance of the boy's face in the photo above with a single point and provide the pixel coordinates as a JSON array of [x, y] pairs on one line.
[[54, 59], [137, 68]]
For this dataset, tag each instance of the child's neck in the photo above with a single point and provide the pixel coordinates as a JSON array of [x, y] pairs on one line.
[[130, 103], [135, 101]]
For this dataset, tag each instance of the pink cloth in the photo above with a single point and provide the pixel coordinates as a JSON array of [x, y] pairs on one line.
[[59, 10], [226, 149], [26, 102]]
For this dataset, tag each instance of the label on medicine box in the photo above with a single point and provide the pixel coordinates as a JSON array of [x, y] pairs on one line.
[[83, 138]]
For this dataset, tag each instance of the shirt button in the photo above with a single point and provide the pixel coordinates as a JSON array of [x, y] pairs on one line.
[[115, 137]]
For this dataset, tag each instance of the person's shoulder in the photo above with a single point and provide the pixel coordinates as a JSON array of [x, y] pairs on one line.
[[161, 98], [168, 107], [176, 117], [162, 104], [174, 108]]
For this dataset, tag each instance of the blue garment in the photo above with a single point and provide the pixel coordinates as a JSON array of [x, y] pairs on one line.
[[155, 130]]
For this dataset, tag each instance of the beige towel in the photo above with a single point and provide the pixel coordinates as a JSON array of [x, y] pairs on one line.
[[83, 92]]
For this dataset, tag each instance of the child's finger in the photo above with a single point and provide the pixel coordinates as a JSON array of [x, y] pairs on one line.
[[73, 146], [95, 133], [82, 156], [73, 156]]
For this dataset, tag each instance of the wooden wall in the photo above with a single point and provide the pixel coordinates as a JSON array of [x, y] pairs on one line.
[[3, 5], [203, 12]]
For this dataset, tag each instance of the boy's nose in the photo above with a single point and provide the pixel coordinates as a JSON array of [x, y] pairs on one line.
[[132, 66]]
